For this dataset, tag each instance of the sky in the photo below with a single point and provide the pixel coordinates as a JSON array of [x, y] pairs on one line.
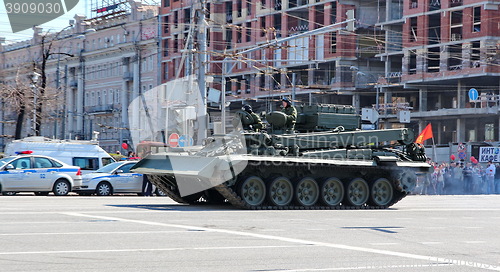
[[54, 25]]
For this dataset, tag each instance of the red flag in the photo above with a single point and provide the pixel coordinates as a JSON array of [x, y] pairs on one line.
[[426, 134]]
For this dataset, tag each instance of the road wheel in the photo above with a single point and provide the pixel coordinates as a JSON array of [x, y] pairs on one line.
[[381, 192], [253, 191], [104, 189], [357, 192], [159, 192], [332, 192], [280, 191], [9, 193], [61, 188], [307, 192]]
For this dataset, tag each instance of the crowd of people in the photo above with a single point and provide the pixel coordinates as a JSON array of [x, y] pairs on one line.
[[460, 178]]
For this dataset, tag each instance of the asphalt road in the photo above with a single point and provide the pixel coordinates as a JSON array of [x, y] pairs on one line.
[[130, 233]]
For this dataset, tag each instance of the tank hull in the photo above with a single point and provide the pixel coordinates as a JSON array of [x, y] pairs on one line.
[[274, 182]]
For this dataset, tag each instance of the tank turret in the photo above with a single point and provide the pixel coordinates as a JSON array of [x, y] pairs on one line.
[[326, 162]]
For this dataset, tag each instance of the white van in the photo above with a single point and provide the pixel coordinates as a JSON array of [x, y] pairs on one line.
[[88, 155]]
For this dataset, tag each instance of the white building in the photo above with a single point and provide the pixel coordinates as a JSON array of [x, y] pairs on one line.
[[94, 69]]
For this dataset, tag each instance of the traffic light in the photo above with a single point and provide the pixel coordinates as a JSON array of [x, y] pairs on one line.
[[351, 24]]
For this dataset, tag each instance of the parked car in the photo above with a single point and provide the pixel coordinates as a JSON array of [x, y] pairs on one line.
[[87, 155], [113, 178], [28, 172]]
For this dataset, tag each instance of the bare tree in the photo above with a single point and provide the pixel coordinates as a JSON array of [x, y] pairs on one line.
[[17, 97], [46, 48]]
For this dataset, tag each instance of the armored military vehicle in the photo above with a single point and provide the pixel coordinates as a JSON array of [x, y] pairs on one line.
[[324, 162]]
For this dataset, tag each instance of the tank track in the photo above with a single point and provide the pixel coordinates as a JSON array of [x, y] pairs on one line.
[[235, 200], [160, 183]]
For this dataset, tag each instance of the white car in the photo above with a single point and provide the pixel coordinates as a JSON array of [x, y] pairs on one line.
[[39, 174], [113, 178]]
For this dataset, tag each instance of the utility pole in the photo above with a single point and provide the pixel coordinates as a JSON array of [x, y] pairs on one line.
[[293, 88], [202, 62]]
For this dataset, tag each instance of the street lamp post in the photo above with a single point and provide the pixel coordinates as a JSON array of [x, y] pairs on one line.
[[34, 79]]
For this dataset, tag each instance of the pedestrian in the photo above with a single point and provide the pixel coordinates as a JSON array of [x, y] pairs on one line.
[[147, 186], [497, 179], [467, 178], [457, 179], [490, 178]]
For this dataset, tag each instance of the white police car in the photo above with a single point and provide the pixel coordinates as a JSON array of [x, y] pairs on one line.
[[112, 178], [39, 174]]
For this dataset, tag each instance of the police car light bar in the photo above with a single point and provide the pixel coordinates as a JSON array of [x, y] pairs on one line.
[[24, 152]]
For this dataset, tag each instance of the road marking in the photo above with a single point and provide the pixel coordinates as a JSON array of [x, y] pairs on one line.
[[444, 210], [90, 233], [317, 229], [140, 250], [301, 241], [384, 244], [377, 267], [41, 222], [474, 242], [431, 243]]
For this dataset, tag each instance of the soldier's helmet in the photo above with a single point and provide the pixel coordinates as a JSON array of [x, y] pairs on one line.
[[247, 108], [287, 100]]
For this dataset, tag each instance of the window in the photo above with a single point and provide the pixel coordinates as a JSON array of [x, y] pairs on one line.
[[239, 33], [166, 27], [455, 57], [413, 4], [248, 32], [262, 26], [106, 161], [165, 48], [475, 57], [333, 42], [43, 163], [413, 29], [22, 163], [86, 163], [476, 20], [117, 96], [412, 65], [176, 43], [126, 168], [455, 3], [456, 25], [489, 132]]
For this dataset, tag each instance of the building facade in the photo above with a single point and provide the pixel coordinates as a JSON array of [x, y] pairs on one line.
[[416, 56], [94, 69], [445, 50]]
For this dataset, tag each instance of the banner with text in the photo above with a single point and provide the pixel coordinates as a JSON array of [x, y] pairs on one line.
[[489, 154]]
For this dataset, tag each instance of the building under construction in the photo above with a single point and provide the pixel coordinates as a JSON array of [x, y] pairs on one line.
[[416, 56]]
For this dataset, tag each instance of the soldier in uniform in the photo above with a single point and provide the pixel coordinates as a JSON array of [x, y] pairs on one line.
[[256, 123], [290, 111]]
